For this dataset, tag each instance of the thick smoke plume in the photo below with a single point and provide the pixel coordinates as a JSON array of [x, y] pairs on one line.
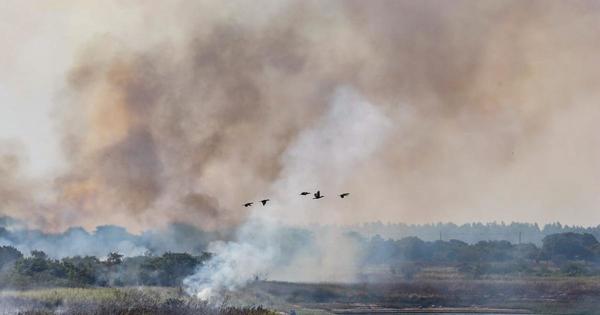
[[180, 112], [350, 131], [425, 111]]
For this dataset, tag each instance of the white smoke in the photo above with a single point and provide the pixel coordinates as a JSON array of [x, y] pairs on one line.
[[349, 132]]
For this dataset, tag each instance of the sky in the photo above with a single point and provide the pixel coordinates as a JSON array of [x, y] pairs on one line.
[[182, 111]]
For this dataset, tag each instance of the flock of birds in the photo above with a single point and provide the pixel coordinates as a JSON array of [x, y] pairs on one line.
[[316, 195]]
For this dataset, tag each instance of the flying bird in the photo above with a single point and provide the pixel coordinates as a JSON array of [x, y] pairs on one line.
[[344, 195], [248, 204], [264, 201], [318, 195], [304, 193]]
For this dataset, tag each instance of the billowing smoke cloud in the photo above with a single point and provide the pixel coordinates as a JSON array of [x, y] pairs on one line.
[[350, 131], [491, 106], [10, 192]]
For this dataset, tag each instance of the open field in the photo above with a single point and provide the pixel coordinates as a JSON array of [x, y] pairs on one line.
[[131, 301], [426, 293], [516, 295]]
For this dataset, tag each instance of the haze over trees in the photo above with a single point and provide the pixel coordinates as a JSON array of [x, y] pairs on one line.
[[112, 256], [514, 232], [566, 254], [180, 237]]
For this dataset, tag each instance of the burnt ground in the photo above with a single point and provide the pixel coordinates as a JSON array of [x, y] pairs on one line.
[[517, 295], [545, 295]]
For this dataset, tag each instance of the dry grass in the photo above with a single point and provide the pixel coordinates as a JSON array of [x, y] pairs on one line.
[[539, 294], [126, 301], [71, 295]]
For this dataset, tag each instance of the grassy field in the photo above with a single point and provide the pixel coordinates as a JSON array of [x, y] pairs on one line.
[[492, 295], [533, 295], [130, 301]]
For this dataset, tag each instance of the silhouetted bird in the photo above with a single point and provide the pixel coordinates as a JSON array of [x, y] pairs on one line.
[[318, 195], [344, 195], [248, 204], [304, 193], [264, 201]]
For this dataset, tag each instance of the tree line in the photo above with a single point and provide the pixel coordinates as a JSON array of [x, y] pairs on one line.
[[39, 270], [180, 237], [514, 232], [563, 254], [570, 254]]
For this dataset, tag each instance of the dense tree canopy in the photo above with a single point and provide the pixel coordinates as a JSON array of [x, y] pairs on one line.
[[571, 246]]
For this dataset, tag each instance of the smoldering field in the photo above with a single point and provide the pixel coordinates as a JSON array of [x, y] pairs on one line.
[[180, 112]]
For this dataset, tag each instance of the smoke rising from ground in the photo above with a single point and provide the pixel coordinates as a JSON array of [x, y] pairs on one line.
[[323, 155]]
